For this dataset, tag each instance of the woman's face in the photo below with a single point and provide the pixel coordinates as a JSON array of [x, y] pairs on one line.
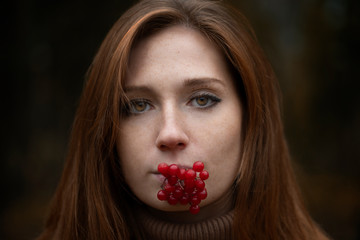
[[184, 109]]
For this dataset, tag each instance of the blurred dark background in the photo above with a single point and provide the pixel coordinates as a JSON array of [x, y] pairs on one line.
[[312, 44]]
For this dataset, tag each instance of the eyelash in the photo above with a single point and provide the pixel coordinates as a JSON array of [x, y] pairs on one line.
[[213, 100], [129, 108]]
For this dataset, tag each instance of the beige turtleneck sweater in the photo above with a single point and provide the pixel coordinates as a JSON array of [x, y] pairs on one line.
[[215, 222], [151, 227]]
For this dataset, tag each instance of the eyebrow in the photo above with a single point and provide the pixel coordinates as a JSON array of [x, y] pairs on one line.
[[192, 82], [128, 89]]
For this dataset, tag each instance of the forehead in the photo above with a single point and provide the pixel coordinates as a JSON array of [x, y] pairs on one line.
[[177, 51]]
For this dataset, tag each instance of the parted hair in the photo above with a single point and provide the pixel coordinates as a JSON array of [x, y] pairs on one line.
[[91, 200]]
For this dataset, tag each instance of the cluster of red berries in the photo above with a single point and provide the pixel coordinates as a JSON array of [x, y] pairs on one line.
[[184, 186]]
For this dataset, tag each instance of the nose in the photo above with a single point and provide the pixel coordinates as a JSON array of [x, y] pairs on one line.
[[172, 135]]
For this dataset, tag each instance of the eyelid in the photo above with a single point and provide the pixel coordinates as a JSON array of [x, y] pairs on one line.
[[139, 100], [212, 97], [203, 93]]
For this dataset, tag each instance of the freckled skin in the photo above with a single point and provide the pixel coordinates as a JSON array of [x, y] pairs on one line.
[[174, 129]]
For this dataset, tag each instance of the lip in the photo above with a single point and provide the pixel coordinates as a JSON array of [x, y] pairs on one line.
[[159, 177], [179, 165], [155, 171], [184, 166]]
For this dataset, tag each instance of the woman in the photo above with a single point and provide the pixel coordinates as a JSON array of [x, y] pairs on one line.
[[178, 81]]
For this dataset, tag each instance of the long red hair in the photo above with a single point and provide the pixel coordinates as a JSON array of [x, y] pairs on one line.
[[91, 199]]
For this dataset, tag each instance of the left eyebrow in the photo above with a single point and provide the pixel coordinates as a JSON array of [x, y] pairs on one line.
[[194, 82]]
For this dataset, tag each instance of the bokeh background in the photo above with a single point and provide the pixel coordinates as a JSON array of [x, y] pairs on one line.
[[312, 44]]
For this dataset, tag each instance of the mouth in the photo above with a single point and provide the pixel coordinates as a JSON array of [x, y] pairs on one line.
[[186, 167], [159, 177]]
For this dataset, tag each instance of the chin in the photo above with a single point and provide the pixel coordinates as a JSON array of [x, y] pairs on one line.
[[166, 207]]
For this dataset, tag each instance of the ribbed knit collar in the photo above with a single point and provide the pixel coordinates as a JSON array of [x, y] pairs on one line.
[[151, 227]]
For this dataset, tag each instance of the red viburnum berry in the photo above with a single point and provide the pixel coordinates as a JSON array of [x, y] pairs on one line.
[[178, 193], [172, 180], [169, 188], [199, 184], [172, 200], [184, 186], [163, 169], [195, 200], [184, 199], [204, 175], [162, 195], [181, 173], [189, 183], [190, 174], [202, 194], [189, 190], [194, 209], [173, 169], [198, 166]]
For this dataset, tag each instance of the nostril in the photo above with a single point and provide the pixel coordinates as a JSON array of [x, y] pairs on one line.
[[180, 145], [164, 147]]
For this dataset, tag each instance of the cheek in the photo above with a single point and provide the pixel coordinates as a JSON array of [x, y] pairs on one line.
[[223, 149], [131, 149], [222, 135], [134, 137], [226, 146]]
